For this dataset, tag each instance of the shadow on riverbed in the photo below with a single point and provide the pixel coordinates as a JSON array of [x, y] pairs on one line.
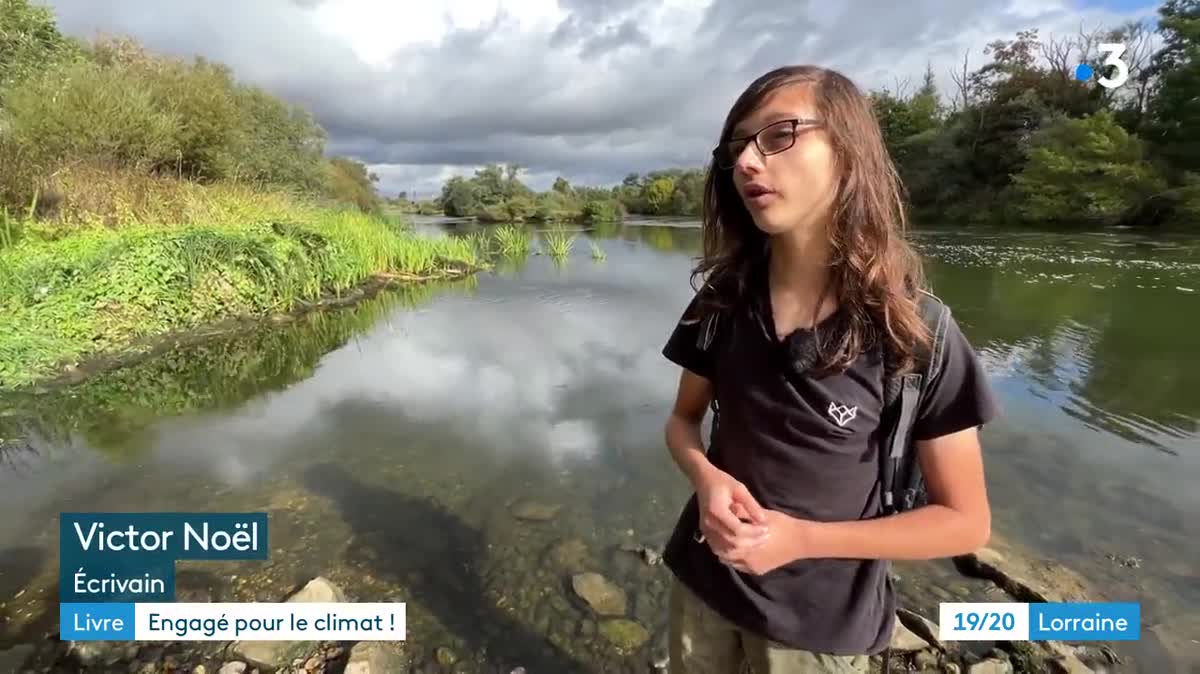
[[432, 554], [19, 566]]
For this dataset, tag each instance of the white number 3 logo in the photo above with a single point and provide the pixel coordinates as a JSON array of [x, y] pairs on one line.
[[1114, 51]]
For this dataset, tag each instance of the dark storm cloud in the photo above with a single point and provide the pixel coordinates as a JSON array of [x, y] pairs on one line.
[[608, 88]]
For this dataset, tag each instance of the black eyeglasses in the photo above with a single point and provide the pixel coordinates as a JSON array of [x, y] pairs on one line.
[[771, 139]]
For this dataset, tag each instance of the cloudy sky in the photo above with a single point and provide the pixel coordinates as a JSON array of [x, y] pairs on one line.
[[588, 89]]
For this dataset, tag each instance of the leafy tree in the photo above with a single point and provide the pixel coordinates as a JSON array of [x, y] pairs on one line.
[[658, 195], [1088, 170], [351, 182], [460, 197], [29, 42], [1174, 125]]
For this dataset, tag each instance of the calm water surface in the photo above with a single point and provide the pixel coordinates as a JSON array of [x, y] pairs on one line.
[[392, 442]]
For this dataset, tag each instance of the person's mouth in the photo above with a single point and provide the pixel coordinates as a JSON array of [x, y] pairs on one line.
[[757, 194]]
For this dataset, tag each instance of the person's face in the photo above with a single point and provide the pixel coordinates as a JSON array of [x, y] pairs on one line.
[[791, 181]]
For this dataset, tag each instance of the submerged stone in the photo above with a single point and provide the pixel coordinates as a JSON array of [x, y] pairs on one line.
[[991, 666], [600, 593], [569, 555], [535, 511], [276, 654], [625, 634], [905, 641], [446, 657], [372, 657]]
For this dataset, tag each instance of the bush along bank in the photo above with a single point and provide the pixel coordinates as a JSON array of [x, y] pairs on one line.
[[98, 291]]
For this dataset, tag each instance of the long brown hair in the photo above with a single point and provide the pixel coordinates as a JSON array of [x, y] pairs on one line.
[[874, 270]]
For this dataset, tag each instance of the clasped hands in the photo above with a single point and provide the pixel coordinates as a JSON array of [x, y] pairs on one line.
[[744, 535]]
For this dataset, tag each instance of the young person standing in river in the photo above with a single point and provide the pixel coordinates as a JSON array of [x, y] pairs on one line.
[[780, 557]]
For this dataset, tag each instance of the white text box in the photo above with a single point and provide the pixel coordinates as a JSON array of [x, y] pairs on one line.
[[283, 621]]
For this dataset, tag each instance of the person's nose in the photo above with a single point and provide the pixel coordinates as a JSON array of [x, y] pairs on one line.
[[749, 162]]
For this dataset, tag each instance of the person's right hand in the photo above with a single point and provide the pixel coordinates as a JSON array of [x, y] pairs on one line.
[[730, 517]]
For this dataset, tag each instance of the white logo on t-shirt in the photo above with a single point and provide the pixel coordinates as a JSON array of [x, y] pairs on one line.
[[842, 414]]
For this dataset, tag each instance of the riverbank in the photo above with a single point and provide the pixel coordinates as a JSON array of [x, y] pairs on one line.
[[109, 293]]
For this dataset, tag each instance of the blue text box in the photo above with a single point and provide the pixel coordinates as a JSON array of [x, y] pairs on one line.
[[124, 557], [1085, 621], [96, 622]]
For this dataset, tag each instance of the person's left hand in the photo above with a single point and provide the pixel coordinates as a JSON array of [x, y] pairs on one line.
[[784, 544]]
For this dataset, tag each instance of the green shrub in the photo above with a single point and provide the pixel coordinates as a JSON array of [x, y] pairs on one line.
[[124, 109], [602, 211], [83, 111], [29, 42]]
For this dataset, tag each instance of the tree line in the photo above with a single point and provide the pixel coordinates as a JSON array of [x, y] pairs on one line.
[[1019, 142], [69, 107]]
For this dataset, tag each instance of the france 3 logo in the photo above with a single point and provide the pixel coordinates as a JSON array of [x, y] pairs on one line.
[[1114, 50]]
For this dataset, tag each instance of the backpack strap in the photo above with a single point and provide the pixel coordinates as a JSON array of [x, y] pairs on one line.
[[704, 339], [901, 483]]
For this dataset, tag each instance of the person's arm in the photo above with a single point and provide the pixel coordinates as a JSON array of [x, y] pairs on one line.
[[720, 497], [683, 435], [956, 521]]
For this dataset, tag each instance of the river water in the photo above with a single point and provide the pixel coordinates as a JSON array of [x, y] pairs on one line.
[[392, 442]]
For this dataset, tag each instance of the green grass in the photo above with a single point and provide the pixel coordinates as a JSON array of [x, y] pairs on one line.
[[512, 240], [96, 290], [559, 243]]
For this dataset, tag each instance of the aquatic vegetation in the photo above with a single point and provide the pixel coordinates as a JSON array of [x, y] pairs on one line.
[[512, 240], [559, 242], [598, 253], [100, 289]]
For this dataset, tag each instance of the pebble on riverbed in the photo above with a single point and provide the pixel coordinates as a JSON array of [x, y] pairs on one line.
[[601, 594], [626, 635], [534, 511]]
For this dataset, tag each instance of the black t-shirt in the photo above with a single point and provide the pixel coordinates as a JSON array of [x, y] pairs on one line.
[[807, 446]]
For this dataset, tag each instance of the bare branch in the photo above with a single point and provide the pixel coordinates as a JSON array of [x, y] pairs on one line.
[[962, 83], [1057, 54]]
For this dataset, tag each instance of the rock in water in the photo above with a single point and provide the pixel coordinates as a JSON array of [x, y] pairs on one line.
[[625, 634], [319, 590], [533, 511], [13, 659], [921, 626], [233, 668], [446, 657], [991, 666], [373, 657], [600, 593], [92, 653], [278, 654], [570, 556], [1063, 660], [905, 641], [925, 660], [1024, 579]]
